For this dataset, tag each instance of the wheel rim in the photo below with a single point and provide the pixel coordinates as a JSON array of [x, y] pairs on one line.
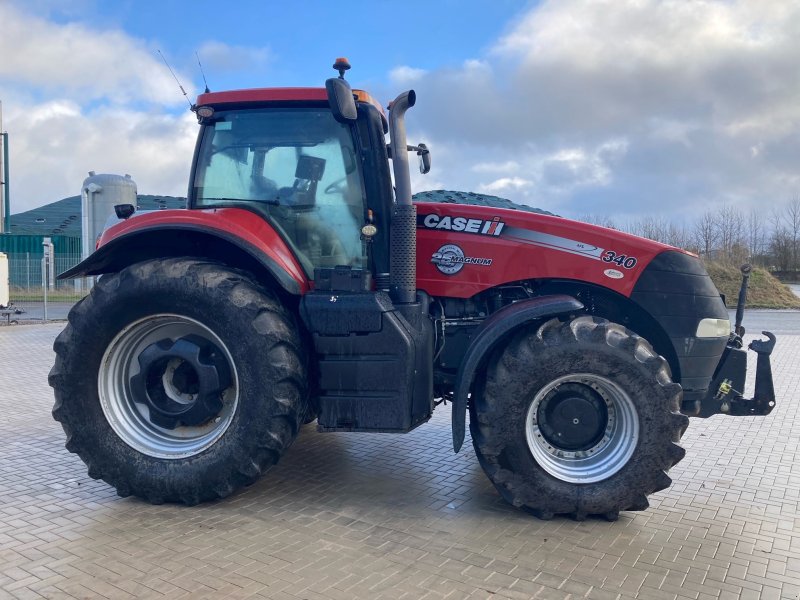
[[168, 386], [595, 418]]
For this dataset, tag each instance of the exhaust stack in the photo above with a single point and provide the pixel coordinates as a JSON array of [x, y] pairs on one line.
[[403, 243]]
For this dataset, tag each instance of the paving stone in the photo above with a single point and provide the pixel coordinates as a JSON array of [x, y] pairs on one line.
[[396, 517]]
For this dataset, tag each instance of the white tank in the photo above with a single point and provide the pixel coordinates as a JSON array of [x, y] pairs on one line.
[[4, 296], [99, 194]]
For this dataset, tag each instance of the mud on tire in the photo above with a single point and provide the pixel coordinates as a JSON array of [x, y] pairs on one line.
[[216, 311], [606, 380]]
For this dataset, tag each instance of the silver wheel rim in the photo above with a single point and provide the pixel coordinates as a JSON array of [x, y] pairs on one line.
[[130, 419], [604, 458]]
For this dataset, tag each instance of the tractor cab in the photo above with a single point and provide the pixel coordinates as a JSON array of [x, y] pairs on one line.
[[296, 168], [316, 178]]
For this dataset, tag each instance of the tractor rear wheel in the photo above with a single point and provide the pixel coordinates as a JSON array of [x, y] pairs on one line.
[[179, 380], [577, 418]]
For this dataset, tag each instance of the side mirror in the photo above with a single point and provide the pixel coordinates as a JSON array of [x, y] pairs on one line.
[[340, 99], [123, 211], [424, 158]]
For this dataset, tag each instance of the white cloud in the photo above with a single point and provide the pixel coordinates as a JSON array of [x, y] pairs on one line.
[[80, 62], [474, 65], [218, 56], [61, 144], [404, 75], [77, 99], [631, 105], [615, 106], [509, 166], [506, 184]]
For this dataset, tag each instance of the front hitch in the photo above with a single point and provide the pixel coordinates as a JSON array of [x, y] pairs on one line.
[[725, 394]]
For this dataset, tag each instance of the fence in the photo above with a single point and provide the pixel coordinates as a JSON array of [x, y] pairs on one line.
[[39, 296]]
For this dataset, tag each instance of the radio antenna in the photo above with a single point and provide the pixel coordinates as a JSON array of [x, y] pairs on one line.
[[201, 71], [185, 95]]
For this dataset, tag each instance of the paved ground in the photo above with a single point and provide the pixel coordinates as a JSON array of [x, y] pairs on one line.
[[777, 321], [35, 311], [396, 517]]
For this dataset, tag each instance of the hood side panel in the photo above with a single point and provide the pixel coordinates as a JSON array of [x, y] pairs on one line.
[[463, 250]]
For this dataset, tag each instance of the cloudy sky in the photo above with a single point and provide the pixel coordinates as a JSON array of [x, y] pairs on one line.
[[615, 107]]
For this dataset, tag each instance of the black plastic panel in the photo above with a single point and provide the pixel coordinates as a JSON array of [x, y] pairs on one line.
[[374, 362], [676, 290], [343, 313], [342, 278]]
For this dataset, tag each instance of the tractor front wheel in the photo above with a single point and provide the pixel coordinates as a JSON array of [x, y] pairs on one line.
[[577, 418], [179, 380]]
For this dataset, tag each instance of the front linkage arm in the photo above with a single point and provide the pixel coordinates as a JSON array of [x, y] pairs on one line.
[[764, 398]]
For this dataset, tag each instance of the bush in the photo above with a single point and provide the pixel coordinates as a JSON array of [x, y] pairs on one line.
[[764, 290]]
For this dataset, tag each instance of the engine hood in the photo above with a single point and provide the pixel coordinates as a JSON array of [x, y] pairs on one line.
[[464, 249]]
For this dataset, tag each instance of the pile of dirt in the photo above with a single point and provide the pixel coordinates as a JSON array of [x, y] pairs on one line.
[[764, 291], [476, 199]]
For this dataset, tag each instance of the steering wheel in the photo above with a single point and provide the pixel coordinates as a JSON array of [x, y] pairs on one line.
[[336, 187]]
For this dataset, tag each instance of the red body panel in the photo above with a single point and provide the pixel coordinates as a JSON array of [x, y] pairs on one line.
[[235, 222], [461, 249], [263, 95], [511, 245], [258, 95]]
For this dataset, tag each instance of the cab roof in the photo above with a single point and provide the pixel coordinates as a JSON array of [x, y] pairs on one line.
[[293, 94]]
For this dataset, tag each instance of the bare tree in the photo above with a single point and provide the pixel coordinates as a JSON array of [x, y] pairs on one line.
[[602, 220], [755, 234], [780, 244], [678, 235], [781, 249], [705, 234], [792, 213], [730, 231]]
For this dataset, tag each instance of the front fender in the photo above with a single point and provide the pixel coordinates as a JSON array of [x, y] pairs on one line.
[[493, 330]]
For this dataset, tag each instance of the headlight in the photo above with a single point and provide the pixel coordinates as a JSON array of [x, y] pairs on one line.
[[712, 328]]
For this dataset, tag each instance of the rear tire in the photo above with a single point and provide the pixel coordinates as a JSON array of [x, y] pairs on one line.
[[172, 429], [577, 418]]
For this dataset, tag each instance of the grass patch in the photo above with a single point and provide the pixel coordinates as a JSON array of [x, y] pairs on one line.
[[764, 290]]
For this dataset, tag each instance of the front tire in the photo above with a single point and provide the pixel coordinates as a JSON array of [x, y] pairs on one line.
[[179, 380], [577, 418]]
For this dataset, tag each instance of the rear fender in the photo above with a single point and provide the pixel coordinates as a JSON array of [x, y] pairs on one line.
[[268, 255], [493, 330]]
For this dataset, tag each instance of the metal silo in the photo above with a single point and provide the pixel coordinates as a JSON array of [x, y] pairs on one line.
[[99, 194]]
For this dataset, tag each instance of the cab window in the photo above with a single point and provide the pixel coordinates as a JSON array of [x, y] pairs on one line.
[[298, 167]]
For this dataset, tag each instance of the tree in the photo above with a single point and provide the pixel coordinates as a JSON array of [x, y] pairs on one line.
[[755, 235], [705, 234], [730, 231], [792, 216]]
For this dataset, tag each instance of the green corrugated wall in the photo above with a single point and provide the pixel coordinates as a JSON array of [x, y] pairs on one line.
[[25, 255], [20, 245]]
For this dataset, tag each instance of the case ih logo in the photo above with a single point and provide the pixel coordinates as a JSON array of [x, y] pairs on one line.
[[450, 259], [479, 226]]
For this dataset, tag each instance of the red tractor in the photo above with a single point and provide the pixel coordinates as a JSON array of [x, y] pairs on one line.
[[303, 283]]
